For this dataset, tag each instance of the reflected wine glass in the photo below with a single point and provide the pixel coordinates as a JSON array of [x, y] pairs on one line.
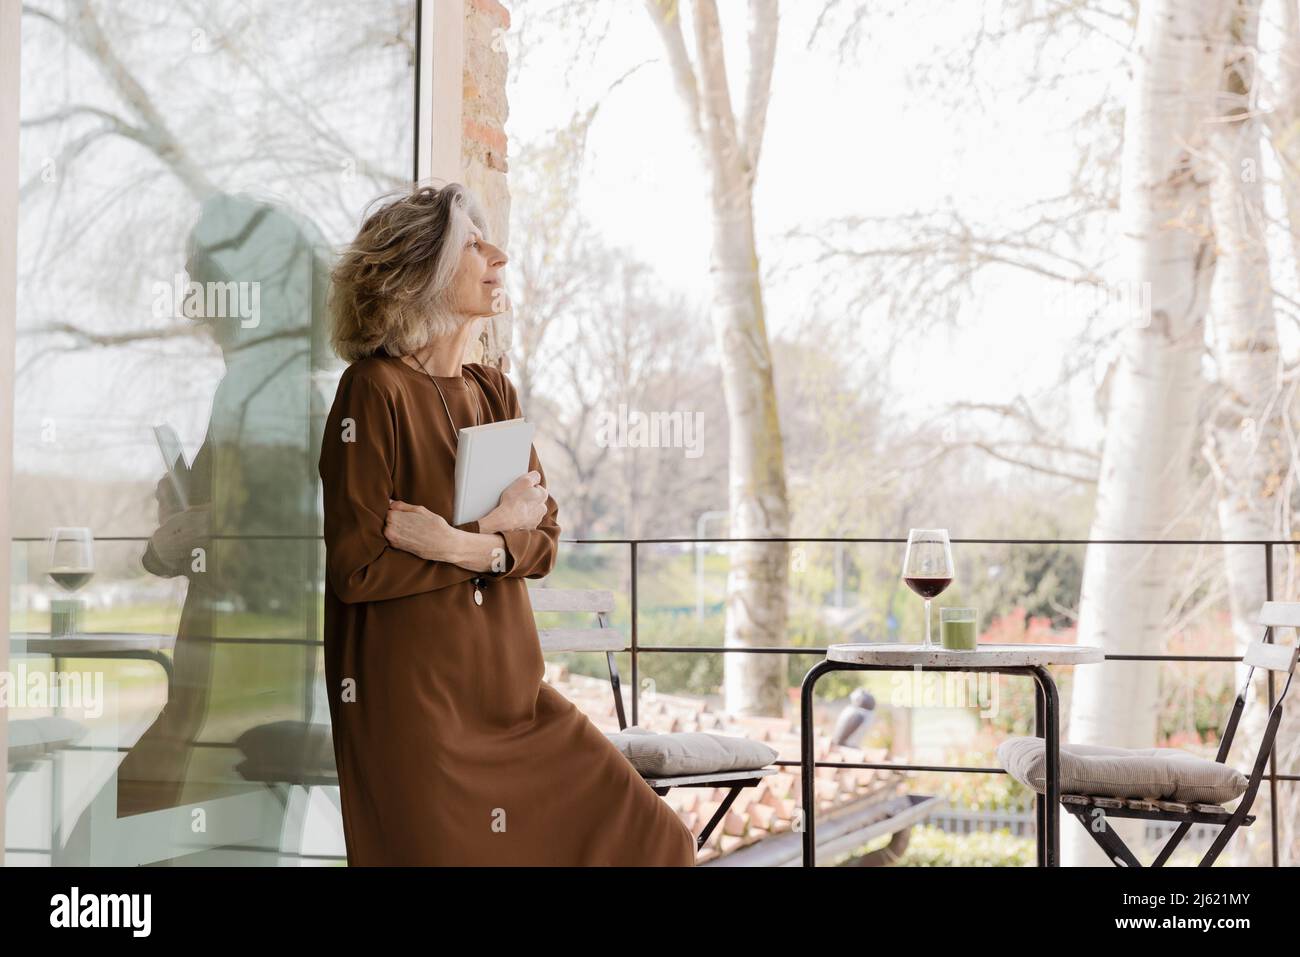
[[928, 568], [71, 566]]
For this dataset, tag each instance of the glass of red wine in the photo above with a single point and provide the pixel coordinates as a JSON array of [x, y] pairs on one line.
[[928, 568], [71, 566]]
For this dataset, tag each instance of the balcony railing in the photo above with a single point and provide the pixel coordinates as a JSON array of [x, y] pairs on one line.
[[635, 649]]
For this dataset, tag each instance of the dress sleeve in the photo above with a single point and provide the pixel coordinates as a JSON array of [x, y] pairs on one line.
[[356, 468], [530, 552]]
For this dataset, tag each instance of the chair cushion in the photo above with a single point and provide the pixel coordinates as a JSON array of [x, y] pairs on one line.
[[689, 752], [1166, 774], [287, 751]]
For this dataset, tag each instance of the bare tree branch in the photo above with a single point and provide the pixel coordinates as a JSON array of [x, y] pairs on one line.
[[666, 15], [758, 90]]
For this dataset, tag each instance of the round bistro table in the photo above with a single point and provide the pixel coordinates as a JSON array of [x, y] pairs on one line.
[[1030, 660]]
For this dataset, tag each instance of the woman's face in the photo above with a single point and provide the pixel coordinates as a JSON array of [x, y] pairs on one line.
[[477, 286]]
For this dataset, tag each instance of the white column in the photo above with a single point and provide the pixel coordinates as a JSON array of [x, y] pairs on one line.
[[10, 20], [442, 71]]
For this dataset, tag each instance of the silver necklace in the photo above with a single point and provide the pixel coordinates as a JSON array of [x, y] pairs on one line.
[[480, 582], [478, 411]]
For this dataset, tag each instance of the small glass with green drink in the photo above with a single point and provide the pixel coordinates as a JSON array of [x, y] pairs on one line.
[[958, 628]]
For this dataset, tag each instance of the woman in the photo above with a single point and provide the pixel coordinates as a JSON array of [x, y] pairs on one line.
[[451, 749]]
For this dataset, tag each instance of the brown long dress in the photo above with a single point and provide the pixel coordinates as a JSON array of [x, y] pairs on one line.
[[451, 749]]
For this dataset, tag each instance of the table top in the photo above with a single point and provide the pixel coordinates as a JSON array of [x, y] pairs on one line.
[[87, 644], [984, 655]]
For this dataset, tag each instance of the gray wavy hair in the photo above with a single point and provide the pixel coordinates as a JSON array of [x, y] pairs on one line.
[[391, 289]]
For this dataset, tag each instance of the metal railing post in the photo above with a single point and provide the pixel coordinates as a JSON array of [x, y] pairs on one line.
[[636, 680], [1272, 751]]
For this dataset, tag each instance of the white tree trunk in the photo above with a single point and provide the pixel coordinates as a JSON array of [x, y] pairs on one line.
[[1164, 272], [1244, 439], [1285, 121], [754, 684], [1284, 125], [757, 580]]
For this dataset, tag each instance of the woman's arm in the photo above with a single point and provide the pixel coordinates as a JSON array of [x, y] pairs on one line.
[[477, 551], [356, 466], [415, 529], [508, 552]]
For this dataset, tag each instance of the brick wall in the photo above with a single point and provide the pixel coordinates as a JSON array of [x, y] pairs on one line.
[[483, 147]]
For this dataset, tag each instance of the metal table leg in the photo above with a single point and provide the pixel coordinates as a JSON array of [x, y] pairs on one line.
[[1040, 800], [807, 767], [1051, 709]]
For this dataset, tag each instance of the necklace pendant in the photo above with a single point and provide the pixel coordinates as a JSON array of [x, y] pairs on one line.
[[478, 596]]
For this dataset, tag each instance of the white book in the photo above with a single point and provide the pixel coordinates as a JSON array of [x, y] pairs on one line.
[[488, 458]]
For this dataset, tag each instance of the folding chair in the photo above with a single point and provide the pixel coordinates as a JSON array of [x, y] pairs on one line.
[[1261, 654], [610, 640]]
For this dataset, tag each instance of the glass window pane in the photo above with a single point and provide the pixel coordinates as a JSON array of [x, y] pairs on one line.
[[187, 170]]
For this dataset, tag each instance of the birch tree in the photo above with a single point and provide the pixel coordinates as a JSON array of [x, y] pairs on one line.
[[1284, 121], [1243, 442], [1165, 270], [728, 147], [1251, 440], [1284, 133]]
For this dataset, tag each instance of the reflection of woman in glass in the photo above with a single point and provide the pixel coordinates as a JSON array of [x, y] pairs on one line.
[[450, 747], [245, 653], [262, 274]]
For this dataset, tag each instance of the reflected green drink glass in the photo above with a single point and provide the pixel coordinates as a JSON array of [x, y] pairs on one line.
[[959, 628]]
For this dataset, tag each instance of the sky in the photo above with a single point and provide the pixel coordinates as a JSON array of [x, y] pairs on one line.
[[851, 137]]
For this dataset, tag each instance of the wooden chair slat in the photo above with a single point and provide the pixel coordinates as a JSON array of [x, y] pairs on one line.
[[580, 639], [1280, 614], [1261, 654], [571, 599]]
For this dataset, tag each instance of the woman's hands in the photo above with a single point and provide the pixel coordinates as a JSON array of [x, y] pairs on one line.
[[521, 506], [168, 502], [180, 530], [427, 535], [176, 538], [415, 529]]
